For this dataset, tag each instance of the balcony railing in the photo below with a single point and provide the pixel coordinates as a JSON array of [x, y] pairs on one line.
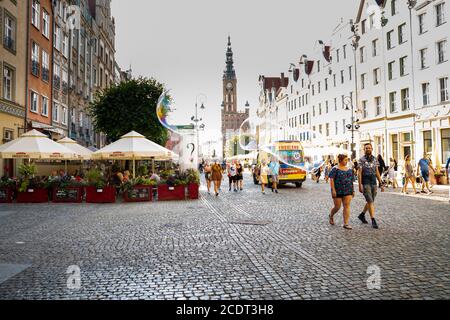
[[56, 82], [35, 68], [8, 42], [45, 74]]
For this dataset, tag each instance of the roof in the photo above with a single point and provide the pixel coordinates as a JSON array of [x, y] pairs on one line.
[[275, 82]]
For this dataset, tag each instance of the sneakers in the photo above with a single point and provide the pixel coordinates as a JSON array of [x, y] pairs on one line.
[[374, 224], [362, 217], [276, 191]]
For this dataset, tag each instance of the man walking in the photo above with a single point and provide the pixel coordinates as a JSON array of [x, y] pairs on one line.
[[368, 174], [423, 168], [274, 167]]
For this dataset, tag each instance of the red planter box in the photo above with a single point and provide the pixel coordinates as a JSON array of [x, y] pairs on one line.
[[171, 193], [104, 195], [33, 196], [193, 190], [68, 195], [6, 195], [139, 194]]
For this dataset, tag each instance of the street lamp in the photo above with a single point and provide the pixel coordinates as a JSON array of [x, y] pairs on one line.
[[195, 118], [354, 124], [348, 100]]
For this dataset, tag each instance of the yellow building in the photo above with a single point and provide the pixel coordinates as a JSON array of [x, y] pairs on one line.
[[13, 18]]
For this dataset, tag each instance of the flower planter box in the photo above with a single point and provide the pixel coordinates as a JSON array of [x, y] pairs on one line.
[[6, 195], [441, 180], [193, 190], [171, 193], [68, 195], [103, 195], [138, 194], [33, 196]]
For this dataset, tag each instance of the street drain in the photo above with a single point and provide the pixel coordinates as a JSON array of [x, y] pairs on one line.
[[251, 222]]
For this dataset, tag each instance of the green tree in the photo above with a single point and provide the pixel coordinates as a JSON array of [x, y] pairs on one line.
[[128, 106]]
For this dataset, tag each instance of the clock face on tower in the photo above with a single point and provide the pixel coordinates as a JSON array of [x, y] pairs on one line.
[[229, 86]]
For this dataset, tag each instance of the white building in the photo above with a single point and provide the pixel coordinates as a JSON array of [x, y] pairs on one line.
[[399, 70]]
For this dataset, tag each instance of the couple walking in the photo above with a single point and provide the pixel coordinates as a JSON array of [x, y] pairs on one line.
[[273, 171], [341, 182]]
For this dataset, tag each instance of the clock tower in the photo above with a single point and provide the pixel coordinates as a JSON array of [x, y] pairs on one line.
[[232, 119]]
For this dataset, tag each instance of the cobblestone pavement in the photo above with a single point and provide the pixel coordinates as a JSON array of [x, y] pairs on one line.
[[199, 250]]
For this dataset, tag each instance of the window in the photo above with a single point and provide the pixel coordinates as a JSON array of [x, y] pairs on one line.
[[327, 129], [334, 80], [56, 76], [35, 13], [65, 46], [44, 109], [326, 84], [64, 115], [394, 7], [375, 47], [423, 58], [443, 88], [393, 101], [46, 24], [342, 76], [395, 146], [318, 87], [363, 81], [441, 46], [445, 143], [427, 142], [35, 59], [390, 42], [10, 33], [55, 112], [80, 119], [45, 66], [362, 54], [8, 80], [363, 26], [336, 128], [344, 49], [377, 106], [405, 99], [391, 70], [337, 55], [426, 94], [365, 113], [376, 76], [318, 65], [440, 14], [403, 66], [343, 126], [326, 107], [372, 20], [401, 33], [422, 23], [320, 109], [34, 102], [350, 73], [57, 38]]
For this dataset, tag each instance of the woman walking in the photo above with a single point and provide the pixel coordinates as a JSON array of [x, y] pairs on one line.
[[208, 178], [216, 176], [263, 176], [341, 182], [239, 176], [409, 175], [392, 171]]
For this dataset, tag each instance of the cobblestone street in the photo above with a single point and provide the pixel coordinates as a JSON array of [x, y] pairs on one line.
[[207, 249]]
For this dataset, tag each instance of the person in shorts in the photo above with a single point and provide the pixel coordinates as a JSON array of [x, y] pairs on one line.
[[341, 182], [368, 174], [423, 169], [274, 167]]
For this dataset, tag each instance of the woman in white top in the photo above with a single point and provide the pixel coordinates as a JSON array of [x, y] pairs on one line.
[[393, 173]]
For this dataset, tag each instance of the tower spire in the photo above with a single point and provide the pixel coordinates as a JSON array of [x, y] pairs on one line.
[[229, 72]]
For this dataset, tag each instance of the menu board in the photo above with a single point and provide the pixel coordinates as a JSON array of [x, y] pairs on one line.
[[67, 194]]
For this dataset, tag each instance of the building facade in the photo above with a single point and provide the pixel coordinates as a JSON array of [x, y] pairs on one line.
[[232, 119], [13, 57], [391, 64]]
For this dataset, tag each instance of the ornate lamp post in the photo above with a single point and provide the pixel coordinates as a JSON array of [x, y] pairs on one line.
[[195, 118], [348, 100]]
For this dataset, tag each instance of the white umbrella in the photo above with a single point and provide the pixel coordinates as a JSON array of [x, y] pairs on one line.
[[80, 151], [134, 146], [35, 145]]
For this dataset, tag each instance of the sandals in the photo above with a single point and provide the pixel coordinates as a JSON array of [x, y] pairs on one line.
[[331, 219], [348, 227]]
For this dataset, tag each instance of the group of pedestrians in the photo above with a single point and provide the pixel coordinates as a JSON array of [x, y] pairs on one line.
[[342, 179], [269, 173], [214, 175]]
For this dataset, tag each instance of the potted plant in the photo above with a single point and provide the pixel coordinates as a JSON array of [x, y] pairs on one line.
[[172, 188], [441, 178], [67, 190], [193, 183], [97, 190], [7, 187], [31, 189], [138, 190]]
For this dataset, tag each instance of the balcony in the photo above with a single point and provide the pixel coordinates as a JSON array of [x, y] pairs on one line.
[[35, 68], [45, 74], [8, 42], [56, 82]]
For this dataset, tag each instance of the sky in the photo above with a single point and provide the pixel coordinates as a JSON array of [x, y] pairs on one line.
[[182, 43]]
